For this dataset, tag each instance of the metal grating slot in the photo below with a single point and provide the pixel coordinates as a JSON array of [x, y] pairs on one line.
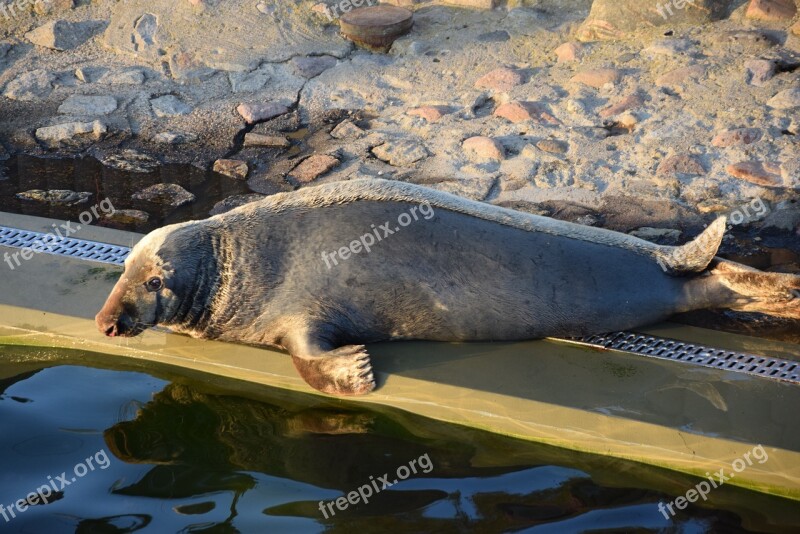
[[672, 349], [64, 246], [630, 342]]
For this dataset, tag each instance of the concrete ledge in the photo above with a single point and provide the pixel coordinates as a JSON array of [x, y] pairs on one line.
[[685, 418]]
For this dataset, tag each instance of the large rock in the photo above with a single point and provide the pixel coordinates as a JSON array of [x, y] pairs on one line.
[[58, 197], [88, 105], [63, 133], [168, 106], [613, 19], [64, 35], [171, 195], [30, 86]]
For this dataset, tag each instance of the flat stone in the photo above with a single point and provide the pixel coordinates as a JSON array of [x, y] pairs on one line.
[[169, 106], [786, 99], [481, 149], [311, 66], [400, 153], [502, 79], [569, 52], [376, 26], [129, 160], [681, 75], [30, 86], [174, 138], [232, 168], [259, 112], [313, 167], [757, 172], [347, 130], [662, 236], [475, 4], [597, 78], [88, 105], [56, 197], [736, 137], [126, 77], [669, 47], [64, 35], [680, 164], [271, 141], [552, 146], [430, 113], [61, 133], [171, 195], [233, 202], [771, 10], [127, 216], [525, 111], [627, 103]]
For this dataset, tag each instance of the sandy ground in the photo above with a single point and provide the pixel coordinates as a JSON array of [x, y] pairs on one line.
[[555, 142]]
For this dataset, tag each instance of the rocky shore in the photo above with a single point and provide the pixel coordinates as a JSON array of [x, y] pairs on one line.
[[630, 114]]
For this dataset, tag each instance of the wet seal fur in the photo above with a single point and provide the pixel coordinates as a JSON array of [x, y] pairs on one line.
[[472, 272]]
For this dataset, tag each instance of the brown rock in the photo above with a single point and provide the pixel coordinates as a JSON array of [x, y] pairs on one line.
[[597, 78], [680, 164], [679, 76], [272, 141], [376, 26], [430, 113], [481, 149], [757, 172], [569, 52], [313, 167], [629, 102], [233, 168], [502, 79], [771, 10], [261, 111], [525, 111], [736, 137]]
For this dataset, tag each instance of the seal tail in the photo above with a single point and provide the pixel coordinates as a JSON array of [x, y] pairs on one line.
[[694, 256], [749, 290]]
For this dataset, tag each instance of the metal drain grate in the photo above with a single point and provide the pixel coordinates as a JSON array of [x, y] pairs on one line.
[[630, 342], [681, 351], [65, 246]]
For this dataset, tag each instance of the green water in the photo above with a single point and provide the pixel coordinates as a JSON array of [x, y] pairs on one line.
[[191, 453]]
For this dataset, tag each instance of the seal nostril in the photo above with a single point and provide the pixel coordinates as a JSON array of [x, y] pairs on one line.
[[111, 331]]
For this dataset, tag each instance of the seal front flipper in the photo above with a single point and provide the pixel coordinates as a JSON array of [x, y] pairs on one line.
[[342, 371]]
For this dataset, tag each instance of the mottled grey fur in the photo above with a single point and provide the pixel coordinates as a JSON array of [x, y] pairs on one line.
[[472, 271]]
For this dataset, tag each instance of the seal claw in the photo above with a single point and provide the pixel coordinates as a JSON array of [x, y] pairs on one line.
[[343, 371]]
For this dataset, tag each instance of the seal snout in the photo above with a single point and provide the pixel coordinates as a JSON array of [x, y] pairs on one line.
[[107, 324]]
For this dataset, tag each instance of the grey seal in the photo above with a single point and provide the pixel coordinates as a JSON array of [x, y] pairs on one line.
[[322, 271]]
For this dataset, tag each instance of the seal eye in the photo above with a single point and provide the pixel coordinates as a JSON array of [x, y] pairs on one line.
[[154, 284]]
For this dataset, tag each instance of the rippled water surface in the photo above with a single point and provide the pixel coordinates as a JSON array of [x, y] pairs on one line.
[[178, 453]]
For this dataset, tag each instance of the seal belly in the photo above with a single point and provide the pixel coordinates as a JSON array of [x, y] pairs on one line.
[[457, 277]]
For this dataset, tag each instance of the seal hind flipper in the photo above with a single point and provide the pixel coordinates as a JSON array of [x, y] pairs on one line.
[[696, 255], [747, 289], [343, 371]]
